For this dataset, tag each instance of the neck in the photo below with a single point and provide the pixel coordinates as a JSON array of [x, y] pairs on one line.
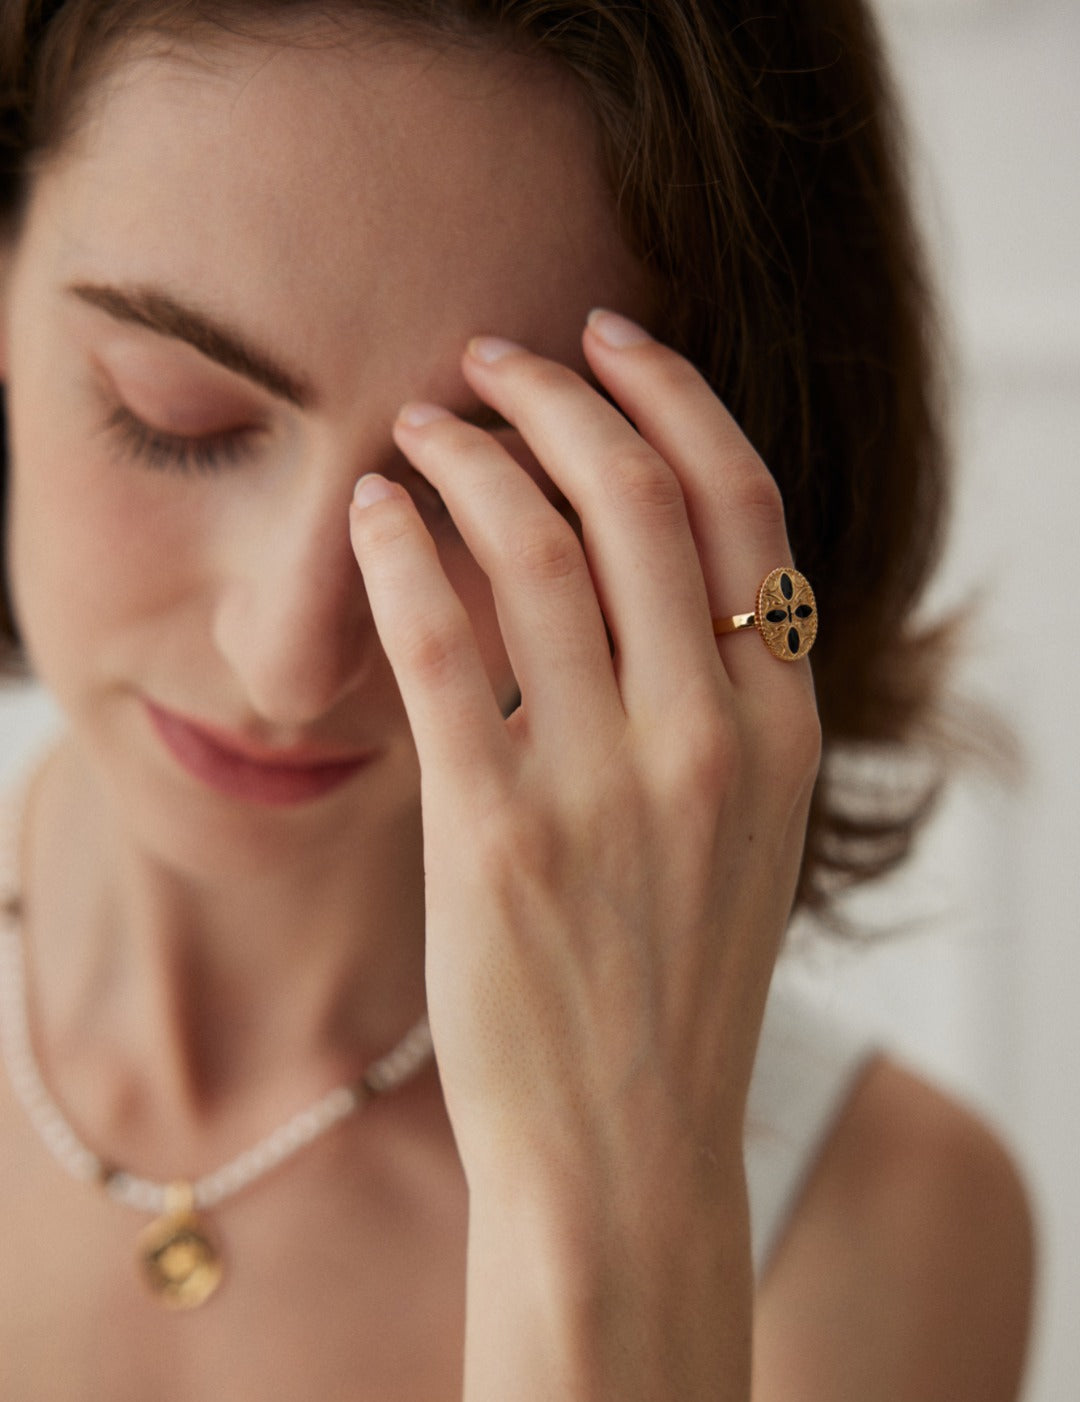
[[262, 980]]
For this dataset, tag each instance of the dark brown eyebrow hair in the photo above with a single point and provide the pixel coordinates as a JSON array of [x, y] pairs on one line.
[[159, 312]]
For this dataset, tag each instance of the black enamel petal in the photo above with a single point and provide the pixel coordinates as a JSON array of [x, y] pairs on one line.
[[786, 586], [793, 639], [804, 611], [776, 616]]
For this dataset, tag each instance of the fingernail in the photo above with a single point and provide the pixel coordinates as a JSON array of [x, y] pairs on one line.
[[370, 489], [489, 349], [416, 414], [616, 331]]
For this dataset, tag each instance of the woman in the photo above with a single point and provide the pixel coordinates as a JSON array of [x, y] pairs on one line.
[[481, 740]]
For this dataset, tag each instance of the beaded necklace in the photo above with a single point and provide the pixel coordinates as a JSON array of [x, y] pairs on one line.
[[179, 1256]]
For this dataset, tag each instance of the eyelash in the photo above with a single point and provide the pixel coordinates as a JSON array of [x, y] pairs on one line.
[[171, 453], [166, 452]]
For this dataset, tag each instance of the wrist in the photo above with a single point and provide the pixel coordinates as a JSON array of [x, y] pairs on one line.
[[632, 1285]]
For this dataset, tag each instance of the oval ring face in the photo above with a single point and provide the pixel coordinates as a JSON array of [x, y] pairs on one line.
[[786, 614]]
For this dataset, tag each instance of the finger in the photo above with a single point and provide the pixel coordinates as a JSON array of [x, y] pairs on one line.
[[425, 632], [732, 500], [637, 538], [547, 608]]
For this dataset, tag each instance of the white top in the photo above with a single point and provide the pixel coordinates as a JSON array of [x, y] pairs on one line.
[[806, 1067], [807, 1064]]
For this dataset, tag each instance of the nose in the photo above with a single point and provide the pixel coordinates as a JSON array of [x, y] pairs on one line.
[[291, 617]]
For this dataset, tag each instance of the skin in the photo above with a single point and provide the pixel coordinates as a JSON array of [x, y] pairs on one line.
[[593, 947]]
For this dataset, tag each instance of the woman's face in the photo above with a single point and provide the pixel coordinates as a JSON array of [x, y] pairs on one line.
[[225, 288]]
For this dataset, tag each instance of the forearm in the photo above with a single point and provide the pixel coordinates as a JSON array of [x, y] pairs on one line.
[[633, 1289]]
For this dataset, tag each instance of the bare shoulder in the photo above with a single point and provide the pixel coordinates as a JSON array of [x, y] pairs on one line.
[[907, 1270]]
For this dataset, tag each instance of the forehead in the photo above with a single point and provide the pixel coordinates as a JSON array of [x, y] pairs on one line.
[[374, 183]]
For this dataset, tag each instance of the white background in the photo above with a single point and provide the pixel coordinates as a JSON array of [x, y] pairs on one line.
[[984, 996]]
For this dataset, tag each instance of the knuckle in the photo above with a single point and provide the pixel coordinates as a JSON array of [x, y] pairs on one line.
[[637, 477], [711, 748], [517, 850], [550, 554], [706, 759], [750, 491], [430, 647]]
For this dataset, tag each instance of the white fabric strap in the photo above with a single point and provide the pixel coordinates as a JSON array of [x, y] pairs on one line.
[[806, 1067]]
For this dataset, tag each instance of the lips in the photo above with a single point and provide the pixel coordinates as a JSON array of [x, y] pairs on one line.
[[241, 768]]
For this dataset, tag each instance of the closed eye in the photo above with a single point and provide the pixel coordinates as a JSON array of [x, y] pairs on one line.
[[216, 452], [176, 453]]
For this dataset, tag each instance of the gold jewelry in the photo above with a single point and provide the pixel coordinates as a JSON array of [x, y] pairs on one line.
[[786, 615], [178, 1255]]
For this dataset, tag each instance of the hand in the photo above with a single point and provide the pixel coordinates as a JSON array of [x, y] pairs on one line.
[[609, 870]]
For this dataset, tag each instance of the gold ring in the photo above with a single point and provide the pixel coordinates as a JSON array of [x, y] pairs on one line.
[[786, 615]]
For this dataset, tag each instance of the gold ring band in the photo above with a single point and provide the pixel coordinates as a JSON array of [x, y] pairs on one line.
[[786, 615]]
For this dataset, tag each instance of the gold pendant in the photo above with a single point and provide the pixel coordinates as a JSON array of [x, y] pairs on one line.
[[178, 1257]]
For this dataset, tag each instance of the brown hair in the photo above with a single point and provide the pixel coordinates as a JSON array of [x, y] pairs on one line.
[[755, 156]]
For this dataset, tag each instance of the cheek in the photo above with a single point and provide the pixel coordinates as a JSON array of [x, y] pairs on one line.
[[92, 548]]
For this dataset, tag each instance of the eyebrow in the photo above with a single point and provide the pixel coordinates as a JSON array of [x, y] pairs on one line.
[[157, 311]]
